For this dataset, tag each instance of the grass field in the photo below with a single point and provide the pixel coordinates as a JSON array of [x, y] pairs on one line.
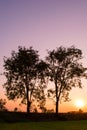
[[60, 125]]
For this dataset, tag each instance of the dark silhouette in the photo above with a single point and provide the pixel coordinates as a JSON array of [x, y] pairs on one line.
[[25, 76], [65, 70], [2, 105]]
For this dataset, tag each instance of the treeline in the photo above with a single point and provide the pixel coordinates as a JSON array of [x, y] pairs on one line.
[[28, 76], [24, 117]]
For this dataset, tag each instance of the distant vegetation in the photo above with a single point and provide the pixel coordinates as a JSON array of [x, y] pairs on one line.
[[2, 105], [13, 117], [28, 76]]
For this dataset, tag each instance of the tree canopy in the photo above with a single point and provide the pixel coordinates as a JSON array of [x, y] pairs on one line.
[[22, 71], [65, 70], [27, 75]]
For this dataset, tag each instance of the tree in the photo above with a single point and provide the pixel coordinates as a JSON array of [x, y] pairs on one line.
[[22, 74], [2, 105], [15, 109], [65, 71]]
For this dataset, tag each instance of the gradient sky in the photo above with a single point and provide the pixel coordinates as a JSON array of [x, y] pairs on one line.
[[44, 24]]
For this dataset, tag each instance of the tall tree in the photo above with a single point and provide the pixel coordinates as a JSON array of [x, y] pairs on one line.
[[22, 73], [65, 70]]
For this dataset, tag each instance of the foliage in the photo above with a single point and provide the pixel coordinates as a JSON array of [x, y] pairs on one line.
[[24, 74], [65, 70], [2, 105], [27, 76], [15, 109]]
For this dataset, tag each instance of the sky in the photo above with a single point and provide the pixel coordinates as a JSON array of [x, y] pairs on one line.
[[44, 25]]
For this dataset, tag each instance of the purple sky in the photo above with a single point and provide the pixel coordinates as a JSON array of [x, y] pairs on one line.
[[43, 24]]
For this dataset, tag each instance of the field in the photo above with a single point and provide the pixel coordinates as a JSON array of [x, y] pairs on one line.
[[58, 125]]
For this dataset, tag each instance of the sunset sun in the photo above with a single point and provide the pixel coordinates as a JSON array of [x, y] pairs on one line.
[[79, 103]]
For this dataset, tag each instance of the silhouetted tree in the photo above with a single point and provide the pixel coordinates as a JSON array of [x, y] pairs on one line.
[[15, 109], [65, 70], [80, 111], [24, 76], [2, 105]]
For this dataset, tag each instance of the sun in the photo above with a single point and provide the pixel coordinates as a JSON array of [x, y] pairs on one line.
[[79, 103]]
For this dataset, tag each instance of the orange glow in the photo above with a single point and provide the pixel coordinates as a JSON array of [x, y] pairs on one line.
[[80, 103]]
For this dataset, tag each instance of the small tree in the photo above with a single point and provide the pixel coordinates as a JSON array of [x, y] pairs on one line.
[[22, 74], [15, 109], [2, 105], [65, 70]]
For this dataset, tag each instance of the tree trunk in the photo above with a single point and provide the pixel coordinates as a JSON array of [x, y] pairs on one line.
[[28, 106], [57, 105], [28, 102], [57, 98]]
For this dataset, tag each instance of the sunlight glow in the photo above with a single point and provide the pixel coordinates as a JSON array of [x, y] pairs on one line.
[[79, 103]]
